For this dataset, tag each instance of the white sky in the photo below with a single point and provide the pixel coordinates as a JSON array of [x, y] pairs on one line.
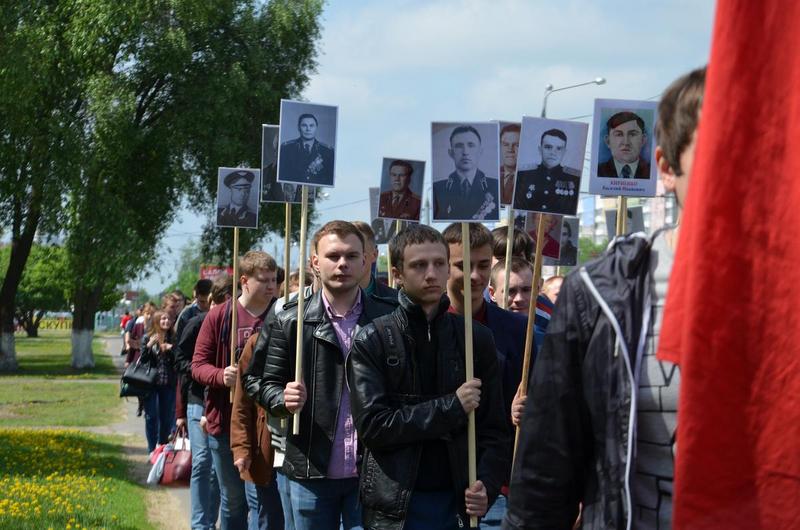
[[394, 67]]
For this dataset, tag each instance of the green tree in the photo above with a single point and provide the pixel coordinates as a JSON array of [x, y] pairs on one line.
[[42, 287], [188, 268], [112, 112], [588, 249], [40, 133]]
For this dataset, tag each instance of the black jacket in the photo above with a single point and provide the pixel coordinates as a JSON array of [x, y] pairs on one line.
[[575, 443], [393, 419], [308, 454]]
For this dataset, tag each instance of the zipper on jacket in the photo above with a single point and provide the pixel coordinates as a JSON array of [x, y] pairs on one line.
[[308, 396], [460, 520]]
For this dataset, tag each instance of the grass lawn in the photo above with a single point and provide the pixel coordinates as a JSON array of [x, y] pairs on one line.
[[49, 356], [28, 403], [66, 479]]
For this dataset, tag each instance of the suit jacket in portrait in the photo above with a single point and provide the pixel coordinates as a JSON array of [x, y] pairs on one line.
[[230, 216], [609, 169], [406, 207], [554, 190], [279, 191], [313, 167], [480, 203], [506, 186]]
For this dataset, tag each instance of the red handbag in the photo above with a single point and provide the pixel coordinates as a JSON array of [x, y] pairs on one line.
[[177, 461]]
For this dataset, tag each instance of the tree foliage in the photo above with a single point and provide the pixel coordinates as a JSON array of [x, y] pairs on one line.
[[43, 286], [128, 107]]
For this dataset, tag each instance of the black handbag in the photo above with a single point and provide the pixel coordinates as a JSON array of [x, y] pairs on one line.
[[126, 390], [140, 375]]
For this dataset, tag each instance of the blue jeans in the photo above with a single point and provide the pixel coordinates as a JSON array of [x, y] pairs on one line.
[[233, 505], [286, 499], [322, 504], [203, 487], [433, 510], [159, 415], [264, 505], [494, 517]]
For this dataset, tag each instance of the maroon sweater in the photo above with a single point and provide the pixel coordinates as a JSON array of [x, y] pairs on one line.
[[212, 355]]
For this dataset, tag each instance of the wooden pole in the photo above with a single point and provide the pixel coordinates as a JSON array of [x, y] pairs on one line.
[[298, 362], [468, 361], [622, 215], [526, 360], [286, 251], [234, 302], [509, 248]]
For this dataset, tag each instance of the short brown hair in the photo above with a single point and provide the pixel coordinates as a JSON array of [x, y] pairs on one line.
[[414, 234], [256, 259], [341, 229], [221, 288], [522, 246], [479, 235], [366, 231], [678, 113], [517, 264]]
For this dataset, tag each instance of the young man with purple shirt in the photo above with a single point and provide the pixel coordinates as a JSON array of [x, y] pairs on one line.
[[320, 462]]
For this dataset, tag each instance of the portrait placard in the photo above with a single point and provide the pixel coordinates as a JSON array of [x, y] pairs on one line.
[[552, 233], [623, 148], [509, 149], [634, 223], [401, 189], [307, 140], [464, 163], [237, 197], [383, 228], [549, 165], [271, 189], [569, 244]]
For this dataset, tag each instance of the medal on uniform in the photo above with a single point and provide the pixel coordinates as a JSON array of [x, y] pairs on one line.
[[531, 189]]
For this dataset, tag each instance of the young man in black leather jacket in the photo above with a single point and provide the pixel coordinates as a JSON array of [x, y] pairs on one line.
[[410, 401]]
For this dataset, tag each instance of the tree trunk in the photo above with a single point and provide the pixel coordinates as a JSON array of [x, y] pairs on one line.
[[21, 243], [29, 322], [86, 302]]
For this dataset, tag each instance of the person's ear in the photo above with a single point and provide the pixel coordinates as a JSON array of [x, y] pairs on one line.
[[315, 263], [492, 294], [397, 274], [605, 141], [665, 171], [450, 152]]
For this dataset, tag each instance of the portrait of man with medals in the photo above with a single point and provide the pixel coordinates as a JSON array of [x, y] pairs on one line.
[[549, 187]]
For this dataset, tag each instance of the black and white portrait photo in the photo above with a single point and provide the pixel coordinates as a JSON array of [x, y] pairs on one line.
[[509, 149], [465, 159], [401, 189], [384, 229], [307, 143], [634, 222], [623, 148], [569, 244], [271, 189], [549, 165], [237, 197]]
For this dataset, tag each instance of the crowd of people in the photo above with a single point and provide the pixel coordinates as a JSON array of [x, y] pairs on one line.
[[383, 400]]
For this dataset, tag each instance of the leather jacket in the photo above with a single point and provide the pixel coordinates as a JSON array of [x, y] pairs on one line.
[[393, 419], [575, 440], [308, 453]]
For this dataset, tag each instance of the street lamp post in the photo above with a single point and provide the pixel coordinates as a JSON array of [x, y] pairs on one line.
[[548, 89]]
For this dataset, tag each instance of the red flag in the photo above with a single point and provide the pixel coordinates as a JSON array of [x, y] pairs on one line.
[[732, 317]]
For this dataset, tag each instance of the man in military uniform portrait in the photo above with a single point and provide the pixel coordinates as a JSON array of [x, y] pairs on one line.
[[625, 139], [237, 212], [400, 202], [549, 187], [306, 160], [467, 193], [509, 147]]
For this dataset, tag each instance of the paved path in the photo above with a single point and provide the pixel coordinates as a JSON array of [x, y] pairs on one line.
[[167, 507]]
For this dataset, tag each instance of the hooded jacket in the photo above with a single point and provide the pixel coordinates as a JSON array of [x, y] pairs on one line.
[[576, 438]]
